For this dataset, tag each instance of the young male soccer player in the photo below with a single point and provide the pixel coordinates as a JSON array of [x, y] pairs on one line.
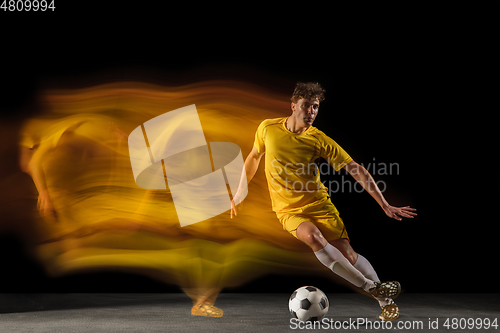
[[300, 200]]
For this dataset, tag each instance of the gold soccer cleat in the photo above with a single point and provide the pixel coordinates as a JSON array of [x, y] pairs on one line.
[[206, 309], [389, 289], [389, 311]]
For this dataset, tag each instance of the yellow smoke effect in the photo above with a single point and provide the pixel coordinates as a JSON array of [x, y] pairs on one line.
[[96, 218]]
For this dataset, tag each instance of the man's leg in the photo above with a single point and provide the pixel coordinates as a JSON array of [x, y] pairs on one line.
[[360, 263], [364, 266], [356, 259], [332, 257], [340, 259]]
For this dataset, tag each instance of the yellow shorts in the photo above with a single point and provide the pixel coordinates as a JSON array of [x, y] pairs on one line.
[[332, 227]]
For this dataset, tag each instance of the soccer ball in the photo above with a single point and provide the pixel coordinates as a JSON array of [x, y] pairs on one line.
[[308, 304]]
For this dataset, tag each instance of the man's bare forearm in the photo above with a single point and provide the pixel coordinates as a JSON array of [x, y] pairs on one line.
[[362, 176], [251, 165]]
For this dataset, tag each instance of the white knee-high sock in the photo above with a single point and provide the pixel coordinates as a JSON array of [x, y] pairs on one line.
[[332, 258], [364, 266]]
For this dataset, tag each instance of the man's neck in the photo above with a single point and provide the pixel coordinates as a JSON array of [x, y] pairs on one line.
[[293, 126]]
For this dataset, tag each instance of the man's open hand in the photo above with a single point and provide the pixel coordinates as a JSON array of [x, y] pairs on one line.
[[233, 209], [233, 205], [399, 212]]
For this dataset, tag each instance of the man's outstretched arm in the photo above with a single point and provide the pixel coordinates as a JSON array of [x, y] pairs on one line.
[[363, 177], [251, 165]]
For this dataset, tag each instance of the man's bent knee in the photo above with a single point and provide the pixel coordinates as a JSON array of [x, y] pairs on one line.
[[311, 235], [315, 238]]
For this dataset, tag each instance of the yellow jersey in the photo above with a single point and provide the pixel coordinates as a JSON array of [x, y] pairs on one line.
[[292, 175]]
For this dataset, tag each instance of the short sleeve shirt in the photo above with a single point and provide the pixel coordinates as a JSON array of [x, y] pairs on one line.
[[292, 175]]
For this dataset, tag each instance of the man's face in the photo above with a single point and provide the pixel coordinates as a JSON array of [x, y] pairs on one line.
[[305, 110]]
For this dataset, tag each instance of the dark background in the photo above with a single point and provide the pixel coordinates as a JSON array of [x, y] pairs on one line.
[[397, 89]]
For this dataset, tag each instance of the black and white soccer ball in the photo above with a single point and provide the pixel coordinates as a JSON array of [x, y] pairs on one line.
[[308, 304]]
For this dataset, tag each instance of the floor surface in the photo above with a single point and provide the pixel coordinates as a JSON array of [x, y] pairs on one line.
[[242, 313]]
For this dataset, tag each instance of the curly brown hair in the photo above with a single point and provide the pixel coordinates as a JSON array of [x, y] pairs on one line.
[[309, 90]]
